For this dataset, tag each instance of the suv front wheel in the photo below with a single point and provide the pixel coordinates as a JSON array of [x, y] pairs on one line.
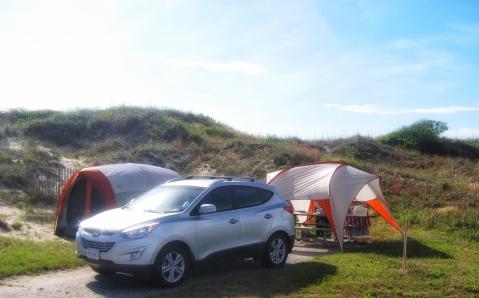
[[276, 251], [172, 265]]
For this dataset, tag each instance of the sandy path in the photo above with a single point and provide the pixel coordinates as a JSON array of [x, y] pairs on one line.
[[83, 282], [28, 230]]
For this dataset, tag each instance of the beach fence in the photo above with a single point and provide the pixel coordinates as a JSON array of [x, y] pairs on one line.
[[47, 179]]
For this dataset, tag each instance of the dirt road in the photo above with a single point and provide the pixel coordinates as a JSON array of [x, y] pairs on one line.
[[83, 282]]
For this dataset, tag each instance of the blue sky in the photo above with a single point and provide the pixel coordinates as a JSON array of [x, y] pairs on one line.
[[314, 69]]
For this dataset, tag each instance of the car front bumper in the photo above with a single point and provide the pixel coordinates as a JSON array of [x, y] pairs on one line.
[[118, 251], [142, 270]]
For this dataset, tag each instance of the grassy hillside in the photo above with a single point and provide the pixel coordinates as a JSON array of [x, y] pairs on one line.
[[438, 189]]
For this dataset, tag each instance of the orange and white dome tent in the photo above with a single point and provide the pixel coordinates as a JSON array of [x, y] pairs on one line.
[[95, 189], [332, 186]]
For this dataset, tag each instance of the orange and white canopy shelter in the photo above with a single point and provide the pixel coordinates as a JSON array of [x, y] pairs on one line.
[[95, 189], [332, 186]]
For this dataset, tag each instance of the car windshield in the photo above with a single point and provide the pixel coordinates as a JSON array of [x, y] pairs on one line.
[[166, 199]]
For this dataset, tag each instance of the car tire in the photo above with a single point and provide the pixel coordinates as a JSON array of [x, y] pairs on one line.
[[172, 266], [276, 251], [102, 271]]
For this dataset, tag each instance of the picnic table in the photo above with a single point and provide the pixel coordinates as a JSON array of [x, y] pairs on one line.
[[319, 224], [355, 226]]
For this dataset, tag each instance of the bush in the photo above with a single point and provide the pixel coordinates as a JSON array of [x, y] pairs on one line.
[[422, 136], [286, 158], [16, 226], [12, 171], [59, 131], [459, 148]]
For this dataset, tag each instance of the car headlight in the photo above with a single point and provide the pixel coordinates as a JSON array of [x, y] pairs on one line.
[[138, 230]]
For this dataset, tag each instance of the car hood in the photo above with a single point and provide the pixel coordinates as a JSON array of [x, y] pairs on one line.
[[118, 219]]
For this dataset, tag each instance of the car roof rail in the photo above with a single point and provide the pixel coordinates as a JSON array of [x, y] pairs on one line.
[[243, 179], [229, 178]]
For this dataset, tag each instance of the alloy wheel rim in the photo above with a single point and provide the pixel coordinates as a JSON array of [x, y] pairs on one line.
[[277, 251], [173, 267]]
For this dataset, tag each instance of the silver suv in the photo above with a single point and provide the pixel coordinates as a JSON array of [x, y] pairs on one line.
[[167, 230]]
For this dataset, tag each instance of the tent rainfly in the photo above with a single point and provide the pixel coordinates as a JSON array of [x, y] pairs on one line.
[[332, 186], [92, 190]]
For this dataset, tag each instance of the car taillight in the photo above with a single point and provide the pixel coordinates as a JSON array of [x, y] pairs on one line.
[[288, 207]]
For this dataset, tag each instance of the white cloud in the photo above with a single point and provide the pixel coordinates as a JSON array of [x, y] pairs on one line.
[[243, 67], [371, 109], [462, 133]]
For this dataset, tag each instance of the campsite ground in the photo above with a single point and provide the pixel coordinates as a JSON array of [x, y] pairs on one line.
[[438, 265], [83, 282]]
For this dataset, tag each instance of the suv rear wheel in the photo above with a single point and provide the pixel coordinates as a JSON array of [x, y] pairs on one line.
[[172, 265], [276, 251]]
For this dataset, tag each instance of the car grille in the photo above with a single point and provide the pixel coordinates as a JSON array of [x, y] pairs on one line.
[[101, 246], [97, 232]]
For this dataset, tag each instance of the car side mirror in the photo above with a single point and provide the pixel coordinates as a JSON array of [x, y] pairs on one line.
[[207, 208]]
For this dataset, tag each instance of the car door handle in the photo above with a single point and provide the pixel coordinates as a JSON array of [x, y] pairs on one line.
[[233, 221], [268, 216]]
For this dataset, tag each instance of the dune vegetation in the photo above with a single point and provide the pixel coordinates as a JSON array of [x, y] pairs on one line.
[[434, 181]]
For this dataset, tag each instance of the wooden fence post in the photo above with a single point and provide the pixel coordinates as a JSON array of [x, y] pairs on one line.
[[47, 179]]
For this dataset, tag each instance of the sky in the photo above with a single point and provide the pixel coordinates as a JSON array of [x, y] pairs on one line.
[[312, 69]]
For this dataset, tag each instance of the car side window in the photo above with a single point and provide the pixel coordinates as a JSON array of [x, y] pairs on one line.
[[221, 198], [265, 195], [251, 196]]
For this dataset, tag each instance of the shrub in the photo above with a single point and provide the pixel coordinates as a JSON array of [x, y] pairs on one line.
[[16, 225], [60, 131], [459, 148], [20, 116], [290, 157], [422, 136], [351, 152]]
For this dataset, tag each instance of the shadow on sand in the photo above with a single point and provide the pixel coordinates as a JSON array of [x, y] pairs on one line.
[[246, 278]]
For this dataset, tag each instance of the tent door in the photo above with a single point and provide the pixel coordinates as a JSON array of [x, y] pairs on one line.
[[76, 204], [97, 202], [84, 201]]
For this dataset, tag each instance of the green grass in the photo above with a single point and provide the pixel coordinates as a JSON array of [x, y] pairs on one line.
[[438, 266], [27, 257]]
